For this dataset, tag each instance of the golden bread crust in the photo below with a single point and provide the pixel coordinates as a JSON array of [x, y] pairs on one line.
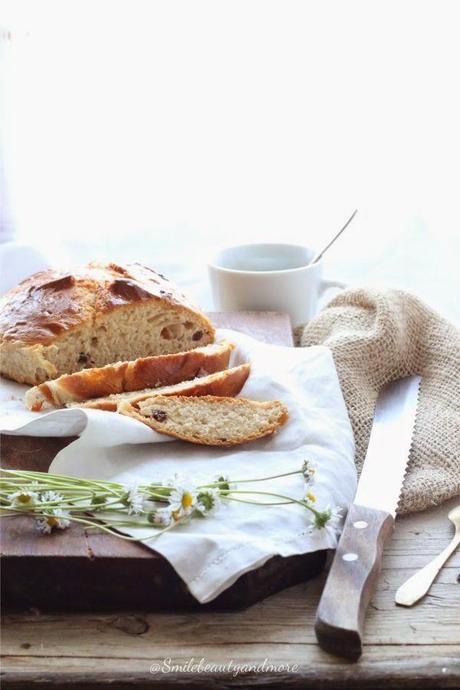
[[52, 302], [223, 383], [161, 370]]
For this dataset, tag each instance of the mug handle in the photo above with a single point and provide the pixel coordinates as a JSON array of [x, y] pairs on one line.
[[326, 285]]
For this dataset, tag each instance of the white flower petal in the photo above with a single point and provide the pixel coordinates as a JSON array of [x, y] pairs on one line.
[[135, 500], [51, 497], [162, 517], [53, 518], [24, 499]]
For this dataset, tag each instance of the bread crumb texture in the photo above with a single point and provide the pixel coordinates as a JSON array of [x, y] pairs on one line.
[[56, 323], [209, 420]]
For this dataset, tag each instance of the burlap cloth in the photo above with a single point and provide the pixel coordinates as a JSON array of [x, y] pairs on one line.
[[377, 336]]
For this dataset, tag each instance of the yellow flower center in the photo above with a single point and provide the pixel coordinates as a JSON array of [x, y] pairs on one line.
[[175, 514], [52, 521], [24, 498], [187, 499], [311, 497]]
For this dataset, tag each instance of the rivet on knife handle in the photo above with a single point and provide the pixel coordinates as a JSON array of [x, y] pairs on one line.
[[351, 581]]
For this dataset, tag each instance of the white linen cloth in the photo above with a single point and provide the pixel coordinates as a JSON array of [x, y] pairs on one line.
[[210, 554]]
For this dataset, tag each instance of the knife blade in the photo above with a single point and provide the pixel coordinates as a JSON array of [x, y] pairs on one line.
[[370, 521]]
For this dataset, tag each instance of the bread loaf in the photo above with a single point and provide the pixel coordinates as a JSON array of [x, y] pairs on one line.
[[56, 323], [163, 370], [223, 383], [208, 420]]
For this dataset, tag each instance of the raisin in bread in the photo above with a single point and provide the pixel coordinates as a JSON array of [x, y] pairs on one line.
[[224, 383], [56, 323], [209, 420], [163, 370]]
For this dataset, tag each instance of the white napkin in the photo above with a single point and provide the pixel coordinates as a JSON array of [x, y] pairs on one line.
[[210, 554]]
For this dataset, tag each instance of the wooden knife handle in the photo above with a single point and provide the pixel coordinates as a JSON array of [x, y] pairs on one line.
[[351, 581]]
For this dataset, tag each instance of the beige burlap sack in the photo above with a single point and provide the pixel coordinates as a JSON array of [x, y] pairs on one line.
[[377, 336]]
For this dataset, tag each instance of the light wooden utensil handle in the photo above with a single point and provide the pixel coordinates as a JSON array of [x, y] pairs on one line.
[[351, 581], [418, 585]]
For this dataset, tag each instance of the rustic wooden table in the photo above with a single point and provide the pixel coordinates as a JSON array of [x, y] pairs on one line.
[[405, 648], [268, 645]]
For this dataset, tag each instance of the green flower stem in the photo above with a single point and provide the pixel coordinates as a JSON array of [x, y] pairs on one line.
[[37, 475], [39, 508], [126, 523], [99, 525], [102, 527], [105, 505], [268, 493], [257, 503], [65, 484], [102, 506], [156, 497], [242, 481], [61, 480]]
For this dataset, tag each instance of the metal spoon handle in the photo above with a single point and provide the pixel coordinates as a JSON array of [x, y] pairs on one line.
[[320, 254], [418, 585]]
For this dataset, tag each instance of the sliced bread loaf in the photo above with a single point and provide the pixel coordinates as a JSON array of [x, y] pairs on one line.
[[224, 383], [148, 372], [209, 420]]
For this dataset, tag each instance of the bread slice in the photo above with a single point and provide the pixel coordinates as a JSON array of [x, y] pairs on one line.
[[150, 372], [58, 322], [209, 420], [223, 383]]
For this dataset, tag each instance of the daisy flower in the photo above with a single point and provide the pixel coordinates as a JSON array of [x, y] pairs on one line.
[[329, 519], [182, 502], [52, 519], [23, 499], [51, 497], [161, 517], [308, 472], [336, 518], [208, 501], [135, 500]]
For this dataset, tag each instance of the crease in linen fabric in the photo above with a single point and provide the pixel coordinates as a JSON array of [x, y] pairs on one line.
[[377, 336]]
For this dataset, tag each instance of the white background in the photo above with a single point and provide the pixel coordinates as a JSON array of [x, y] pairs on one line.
[[159, 130]]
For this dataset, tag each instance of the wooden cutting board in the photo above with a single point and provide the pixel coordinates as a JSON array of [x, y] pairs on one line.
[[79, 570]]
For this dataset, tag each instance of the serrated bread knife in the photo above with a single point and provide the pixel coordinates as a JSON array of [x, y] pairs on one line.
[[370, 521]]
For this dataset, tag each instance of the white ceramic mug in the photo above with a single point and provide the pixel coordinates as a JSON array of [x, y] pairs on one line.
[[268, 277]]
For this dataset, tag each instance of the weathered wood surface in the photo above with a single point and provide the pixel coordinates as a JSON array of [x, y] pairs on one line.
[[404, 648], [83, 570]]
